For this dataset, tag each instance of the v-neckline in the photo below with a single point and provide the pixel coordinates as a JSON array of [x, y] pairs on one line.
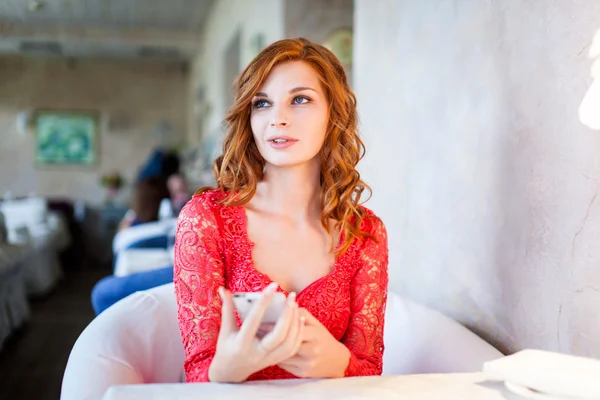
[[242, 217]]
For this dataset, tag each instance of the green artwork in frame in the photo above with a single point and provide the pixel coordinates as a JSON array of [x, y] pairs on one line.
[[66, 138]]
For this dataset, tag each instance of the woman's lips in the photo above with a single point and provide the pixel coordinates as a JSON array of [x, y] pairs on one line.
[[281, 143]]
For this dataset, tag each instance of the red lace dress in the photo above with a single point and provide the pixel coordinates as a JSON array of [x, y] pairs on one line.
[[212, 249]]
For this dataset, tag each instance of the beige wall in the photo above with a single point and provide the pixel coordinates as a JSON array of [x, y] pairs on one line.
[[487, 181], [144, 93]]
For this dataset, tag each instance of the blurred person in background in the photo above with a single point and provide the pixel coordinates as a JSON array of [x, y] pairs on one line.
[[148, 196], [179, 192]]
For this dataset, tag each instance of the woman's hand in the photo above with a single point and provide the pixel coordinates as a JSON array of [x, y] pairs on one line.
[[320, 355], [240, 353]]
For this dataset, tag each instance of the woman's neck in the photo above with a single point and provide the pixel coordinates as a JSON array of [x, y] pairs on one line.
[[292, 192]]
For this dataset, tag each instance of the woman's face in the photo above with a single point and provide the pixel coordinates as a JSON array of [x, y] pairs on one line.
[[290, 115]]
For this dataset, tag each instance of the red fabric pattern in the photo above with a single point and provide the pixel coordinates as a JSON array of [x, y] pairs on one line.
[[212, 249]]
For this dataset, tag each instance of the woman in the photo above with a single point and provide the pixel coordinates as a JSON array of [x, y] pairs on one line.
[[286, 210]]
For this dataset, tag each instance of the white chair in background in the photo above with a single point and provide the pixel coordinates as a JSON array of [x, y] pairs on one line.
[[30, 212], [128, 237], [137, 341], [144, 247], [28, 224]]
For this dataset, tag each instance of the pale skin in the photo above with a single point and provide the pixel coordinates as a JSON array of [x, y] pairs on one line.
[[290, 244]]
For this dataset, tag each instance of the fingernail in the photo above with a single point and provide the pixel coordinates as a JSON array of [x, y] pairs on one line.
[[221, 291], [272, 286]]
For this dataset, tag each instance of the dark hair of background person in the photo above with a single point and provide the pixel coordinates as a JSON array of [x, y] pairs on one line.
[[170, 165], [160, 163], [148, 196]]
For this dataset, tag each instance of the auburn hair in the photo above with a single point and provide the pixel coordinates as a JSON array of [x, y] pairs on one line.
[[238, 170]]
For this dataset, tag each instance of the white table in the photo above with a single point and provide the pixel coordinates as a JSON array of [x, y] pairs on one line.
[[405, 387], [140, 260]]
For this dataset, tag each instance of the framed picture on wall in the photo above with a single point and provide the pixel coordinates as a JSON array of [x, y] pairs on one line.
[[66, 137]]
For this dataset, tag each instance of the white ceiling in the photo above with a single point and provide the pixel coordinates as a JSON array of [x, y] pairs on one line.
[[122, 28]]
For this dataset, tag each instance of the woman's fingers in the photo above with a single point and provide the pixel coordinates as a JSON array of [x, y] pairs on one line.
[[294, 328], [311, 320], [310, 333], [295, 342], [281, 330], [290, 360], [254, 319], [228, 323]]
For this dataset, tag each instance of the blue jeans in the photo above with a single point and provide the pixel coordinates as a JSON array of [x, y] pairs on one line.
[[111, 289]]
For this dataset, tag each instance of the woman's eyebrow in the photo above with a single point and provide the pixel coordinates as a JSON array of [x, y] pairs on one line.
[[301, 88], [294, 90]]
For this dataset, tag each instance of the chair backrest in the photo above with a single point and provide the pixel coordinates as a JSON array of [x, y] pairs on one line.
[[150, 230], [420, 340], [28, 212], [155, 242], [137, 340]]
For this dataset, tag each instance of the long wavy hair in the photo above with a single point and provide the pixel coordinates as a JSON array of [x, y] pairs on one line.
[[238, 170]]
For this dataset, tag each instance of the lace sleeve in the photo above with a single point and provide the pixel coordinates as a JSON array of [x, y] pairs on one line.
[[198, 272], [368, 291]]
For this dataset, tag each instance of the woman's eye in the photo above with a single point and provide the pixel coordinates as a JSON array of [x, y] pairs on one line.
[[260, 103], [301, 100]]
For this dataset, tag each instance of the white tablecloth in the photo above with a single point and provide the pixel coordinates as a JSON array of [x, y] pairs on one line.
[[140, 260], [406, 387]]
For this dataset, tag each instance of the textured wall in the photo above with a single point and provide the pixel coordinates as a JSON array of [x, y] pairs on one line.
[[487, 181], [144, 93]]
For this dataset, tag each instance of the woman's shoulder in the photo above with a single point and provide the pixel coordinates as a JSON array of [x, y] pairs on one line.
[[201, 203], [211, 197], [371, 223]]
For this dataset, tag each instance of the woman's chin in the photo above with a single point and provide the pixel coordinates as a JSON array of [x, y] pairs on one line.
[[285, 161]]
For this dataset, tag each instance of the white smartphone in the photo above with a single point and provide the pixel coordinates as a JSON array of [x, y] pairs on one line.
[[244, 302]]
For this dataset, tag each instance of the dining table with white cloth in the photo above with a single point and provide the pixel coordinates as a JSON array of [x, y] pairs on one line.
[[469, 386]]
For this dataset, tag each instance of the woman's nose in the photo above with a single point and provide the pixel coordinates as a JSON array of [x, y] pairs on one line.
[[280, 118]]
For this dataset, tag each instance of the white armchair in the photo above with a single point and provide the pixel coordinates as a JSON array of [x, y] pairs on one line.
[[144, 247], [30, 212], [419, 340], [137, 341], [127, 237], [28, 224]]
